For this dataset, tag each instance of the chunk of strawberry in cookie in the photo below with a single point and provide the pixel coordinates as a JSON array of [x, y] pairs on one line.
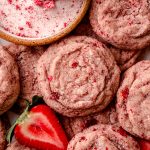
[[144, 145]]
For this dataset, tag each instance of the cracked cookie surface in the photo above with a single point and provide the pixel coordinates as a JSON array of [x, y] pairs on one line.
[[124, 58], [26, 58], [76, 76], [2, 135], [9, 80], [133, 100], [125, 24], [103, 137], [74, 125]]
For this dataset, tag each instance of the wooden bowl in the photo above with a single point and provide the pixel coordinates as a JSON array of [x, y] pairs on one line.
[[46, 40]]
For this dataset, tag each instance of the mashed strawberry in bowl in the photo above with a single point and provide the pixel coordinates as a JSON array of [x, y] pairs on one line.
[[38, 22]]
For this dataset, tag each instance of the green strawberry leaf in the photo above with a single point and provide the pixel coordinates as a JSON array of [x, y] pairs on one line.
[[10, 134]]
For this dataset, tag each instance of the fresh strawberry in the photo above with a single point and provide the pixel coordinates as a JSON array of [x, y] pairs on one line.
[[144, 145], [39, 128]]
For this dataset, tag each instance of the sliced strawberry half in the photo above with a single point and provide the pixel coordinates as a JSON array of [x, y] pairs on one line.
[[144, 145], [39, 128]]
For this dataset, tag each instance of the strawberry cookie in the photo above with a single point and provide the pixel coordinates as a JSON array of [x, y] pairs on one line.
[[26, 58], [124, 58], [2, 135], [125, 24], [9, 81], [78, 76], [103, 137], [133, 100], [15, 145], [75, 125]]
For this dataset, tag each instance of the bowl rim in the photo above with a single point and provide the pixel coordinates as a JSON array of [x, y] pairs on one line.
[[47, 40]]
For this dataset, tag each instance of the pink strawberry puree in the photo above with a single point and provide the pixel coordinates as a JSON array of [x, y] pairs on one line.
[[37, 18]]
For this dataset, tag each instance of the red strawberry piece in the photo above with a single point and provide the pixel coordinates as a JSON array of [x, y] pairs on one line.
[[122, 132], [39, 128], [45, 3], [74, 65], [50, 78], [144, 145], [49, 4], [10, 1], [125, 93], [38, 2]]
